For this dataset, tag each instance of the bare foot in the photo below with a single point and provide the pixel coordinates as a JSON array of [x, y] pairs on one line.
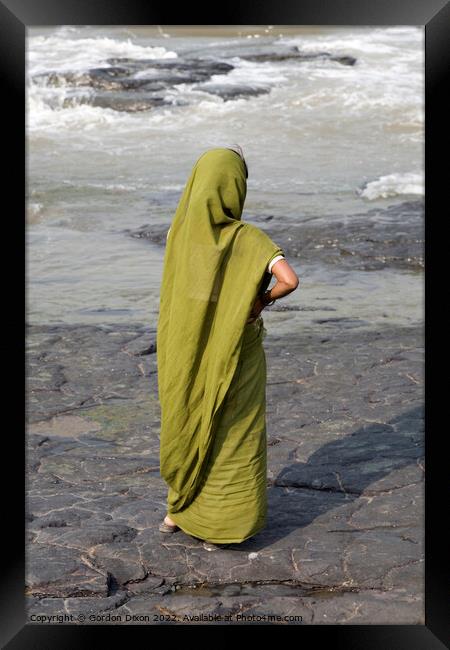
[[169, 521]]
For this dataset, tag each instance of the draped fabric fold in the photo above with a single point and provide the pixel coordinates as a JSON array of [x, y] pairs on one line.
[[214, 267]]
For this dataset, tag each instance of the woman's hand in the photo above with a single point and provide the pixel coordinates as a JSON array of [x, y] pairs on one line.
[[257, 308]]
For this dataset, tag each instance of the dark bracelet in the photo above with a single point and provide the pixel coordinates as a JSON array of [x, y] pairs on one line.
[[265, 298]]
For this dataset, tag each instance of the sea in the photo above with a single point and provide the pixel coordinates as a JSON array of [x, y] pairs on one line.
[[330, 120]]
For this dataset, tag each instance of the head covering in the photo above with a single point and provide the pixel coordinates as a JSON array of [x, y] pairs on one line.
[[214, 266], [238, 149]]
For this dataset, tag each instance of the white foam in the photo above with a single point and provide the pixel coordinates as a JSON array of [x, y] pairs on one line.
[[251, 73], [172, 187], [388, 88], [372, 41], [41, 117], [35, 209], [56, 53], [394, 185], [109, 187], [34, 212], [59, 52]]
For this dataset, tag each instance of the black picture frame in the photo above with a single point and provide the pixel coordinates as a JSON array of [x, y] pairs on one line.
[[16, 17]]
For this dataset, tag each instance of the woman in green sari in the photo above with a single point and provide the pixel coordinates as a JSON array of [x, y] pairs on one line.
[[210, 358]]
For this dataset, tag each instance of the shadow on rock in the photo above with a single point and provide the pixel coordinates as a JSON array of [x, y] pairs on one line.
[[340, 472]]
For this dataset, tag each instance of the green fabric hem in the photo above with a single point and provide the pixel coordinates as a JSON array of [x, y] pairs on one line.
[[214, 540]]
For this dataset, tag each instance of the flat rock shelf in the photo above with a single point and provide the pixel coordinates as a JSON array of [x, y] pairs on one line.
[[344, 541]]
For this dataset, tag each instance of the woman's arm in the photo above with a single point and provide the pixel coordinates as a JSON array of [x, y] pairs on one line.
[[287, 281]]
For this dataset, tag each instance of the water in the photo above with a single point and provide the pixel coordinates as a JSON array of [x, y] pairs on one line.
[[327, 140]]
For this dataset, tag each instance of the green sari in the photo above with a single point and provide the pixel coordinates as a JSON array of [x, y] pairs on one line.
[[211, 363]]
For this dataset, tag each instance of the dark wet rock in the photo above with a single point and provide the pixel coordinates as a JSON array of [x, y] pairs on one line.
[[57, 571], [131, 102], [64, 383], [156, 233], [147, 585], [116, 86], [345, 60], [105, 79], [200, 65], [391, 237], [89, 534], [235, 91], [94, 606], [383, 237], [55, 519], [155, 74], [285, 307], [347, 321], [135, 85], [76, 607], [296, 54], [344, 539], [42, 609], [123, 561]]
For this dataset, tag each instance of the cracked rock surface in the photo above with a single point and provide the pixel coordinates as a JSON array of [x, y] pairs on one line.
[[344, 541]]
